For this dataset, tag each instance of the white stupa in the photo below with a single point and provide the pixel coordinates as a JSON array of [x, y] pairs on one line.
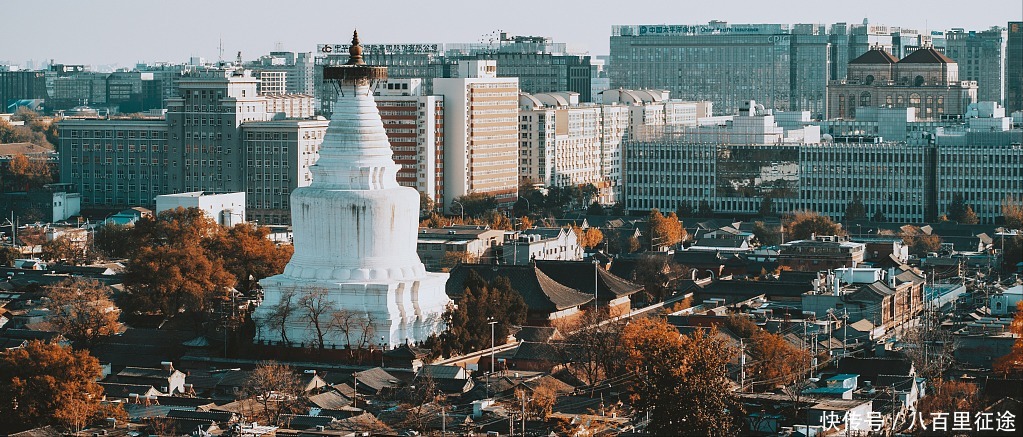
[[355, 231]]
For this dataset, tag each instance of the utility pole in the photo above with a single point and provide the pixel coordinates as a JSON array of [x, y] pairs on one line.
[[742, 366], [523, 413], [443, 422]]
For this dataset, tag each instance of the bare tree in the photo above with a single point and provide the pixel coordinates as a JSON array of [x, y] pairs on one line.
[[277, 389], [420, 403], [594, 345], [282, 313], [932, 351], [349, 323], [317, 308]]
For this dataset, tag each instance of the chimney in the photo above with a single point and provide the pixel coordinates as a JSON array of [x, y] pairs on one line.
[[133, 398], [167, 366]]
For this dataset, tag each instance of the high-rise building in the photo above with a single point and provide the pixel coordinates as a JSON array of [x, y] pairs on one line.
[[415, 128], [719, 62], [540, 64], [561, 143], [981, 58], [925, 80], [19, 85], [1014, 67], [286, 73], [480, 132], [218, 136]]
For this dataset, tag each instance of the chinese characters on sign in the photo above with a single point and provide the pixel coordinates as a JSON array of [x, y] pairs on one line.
[[1004, 421]]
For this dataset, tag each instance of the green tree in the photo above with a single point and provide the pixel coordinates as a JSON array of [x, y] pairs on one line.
[[684, 210], [1013, 252], [766, 207], [705, 209], [681, 381], [855, 210], [767, 235], [468, 322], [878, 217], [596, 208], [114, 240], [960, 212], [805, 224], [475, 204], [48, 384]]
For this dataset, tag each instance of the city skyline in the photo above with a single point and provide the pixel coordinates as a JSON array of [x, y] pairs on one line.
[[237, 29]]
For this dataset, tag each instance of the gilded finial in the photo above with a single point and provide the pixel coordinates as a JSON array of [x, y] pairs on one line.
[[355, 52]]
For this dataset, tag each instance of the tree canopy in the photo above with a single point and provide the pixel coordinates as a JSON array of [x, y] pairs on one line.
[[468, 322], [960, 212], [776, 362], [681, 380], [767, 235], [82, 310], [855, 210], [1012, 213], [1011, 364], [665, 230], [48, 384], [805, 224]]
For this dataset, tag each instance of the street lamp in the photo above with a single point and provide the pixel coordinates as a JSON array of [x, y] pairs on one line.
[[382, 349], [491, 323], [461, 210], [528, 207]]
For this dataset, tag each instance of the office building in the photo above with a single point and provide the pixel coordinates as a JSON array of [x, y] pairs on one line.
[[480, 132], [414, 123], [295, 71], [1014, 67], [563, 142], [981, 58], [727, 64], [20, 85], [218, 136], [735, 167], [925, 80], [540, 64]]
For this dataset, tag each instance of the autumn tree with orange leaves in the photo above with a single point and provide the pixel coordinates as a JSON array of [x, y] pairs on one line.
[[49, 384], [776, 362], [1012, 363], [681, 380]]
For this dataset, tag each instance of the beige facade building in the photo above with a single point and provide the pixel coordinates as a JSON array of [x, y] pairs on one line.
[[480, 132], [926, 80], [414, 123]]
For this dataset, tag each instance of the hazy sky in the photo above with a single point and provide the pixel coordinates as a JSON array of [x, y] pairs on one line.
[[126, 31]]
